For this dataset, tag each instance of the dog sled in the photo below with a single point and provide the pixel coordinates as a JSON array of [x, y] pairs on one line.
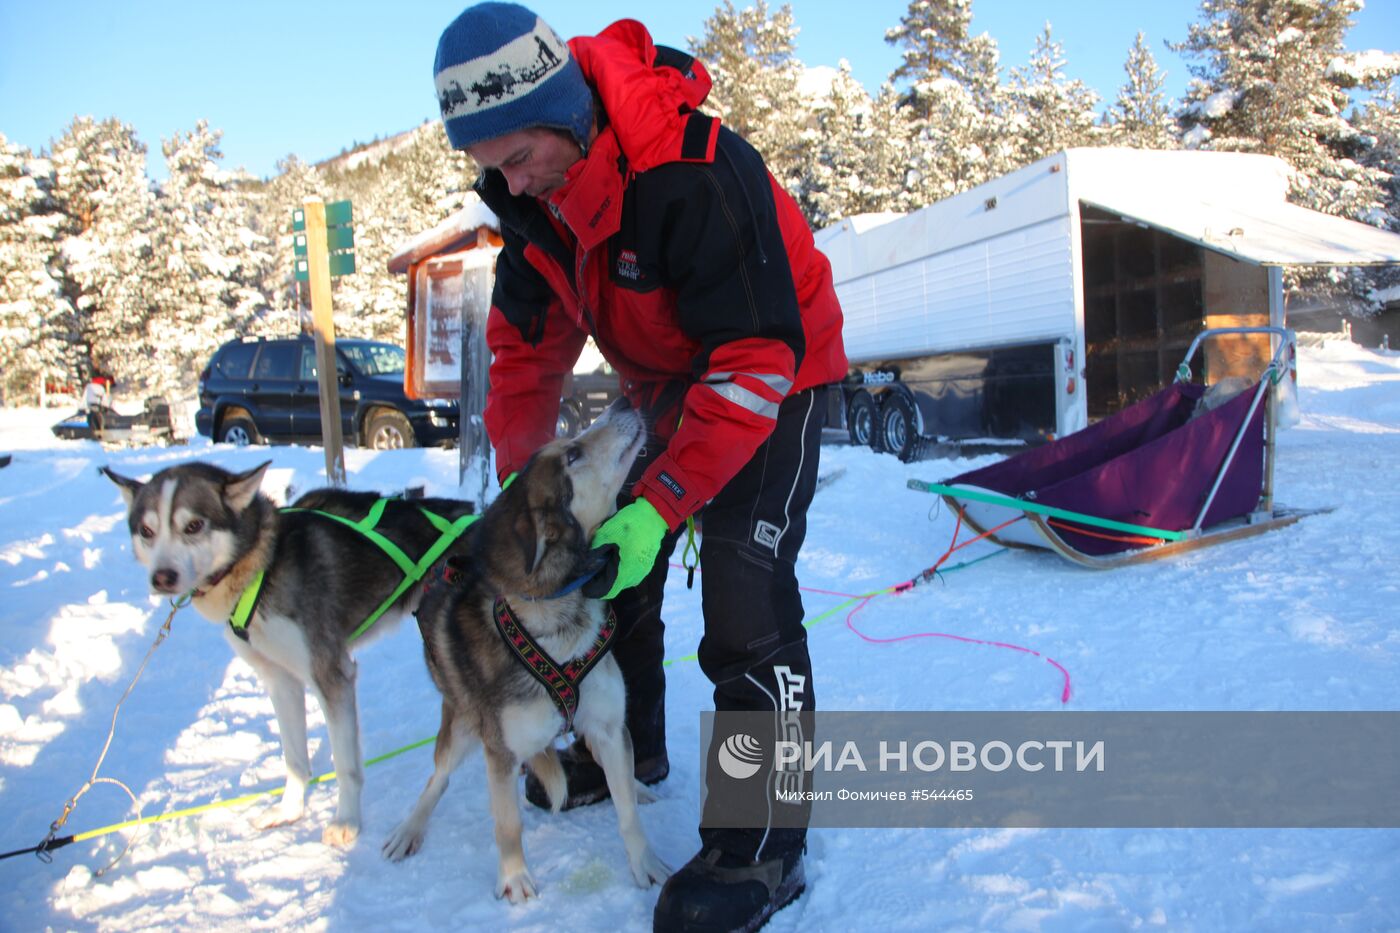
[[1167, 475], [152, 425]]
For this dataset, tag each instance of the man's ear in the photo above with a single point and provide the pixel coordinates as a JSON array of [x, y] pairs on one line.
[[240, 488], [129, 487]]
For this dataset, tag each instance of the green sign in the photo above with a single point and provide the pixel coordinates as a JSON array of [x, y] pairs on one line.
[[338, 214], [340, 237], [340, 240], [337, 238], [342, 263]]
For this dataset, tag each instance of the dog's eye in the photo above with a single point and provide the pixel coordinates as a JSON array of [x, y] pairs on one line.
[[195, 526], [572, 454], [147, 532]]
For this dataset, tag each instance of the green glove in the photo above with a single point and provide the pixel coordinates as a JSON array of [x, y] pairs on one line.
[[632, 539]]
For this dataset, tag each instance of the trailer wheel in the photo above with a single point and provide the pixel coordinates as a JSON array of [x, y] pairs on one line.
[[570, 421], [899, 430], [861, 414]]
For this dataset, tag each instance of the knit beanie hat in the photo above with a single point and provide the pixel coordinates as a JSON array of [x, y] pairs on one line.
[[499, 69]]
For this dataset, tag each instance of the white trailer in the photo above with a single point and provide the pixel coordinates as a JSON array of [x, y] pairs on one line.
[[1036, 302]]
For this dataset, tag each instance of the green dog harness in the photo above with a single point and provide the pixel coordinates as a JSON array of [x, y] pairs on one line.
[[413, 571]]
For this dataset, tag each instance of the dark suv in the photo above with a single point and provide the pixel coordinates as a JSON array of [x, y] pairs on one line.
[[264, 390]]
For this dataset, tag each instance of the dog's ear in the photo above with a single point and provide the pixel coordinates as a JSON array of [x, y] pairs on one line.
[[240, 488], [536, 530], [129, 487]]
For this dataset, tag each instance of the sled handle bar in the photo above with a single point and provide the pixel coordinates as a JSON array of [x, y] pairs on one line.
[[1287, 338]]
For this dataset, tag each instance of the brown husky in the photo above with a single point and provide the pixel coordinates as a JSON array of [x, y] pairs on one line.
[[529, 545]]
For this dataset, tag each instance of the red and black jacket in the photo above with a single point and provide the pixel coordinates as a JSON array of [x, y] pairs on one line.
[[675, 249]]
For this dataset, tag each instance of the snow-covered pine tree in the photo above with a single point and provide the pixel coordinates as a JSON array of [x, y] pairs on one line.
[[215, 263], [397, 195], [37, 322], [109, 256], [1049, 112], [848, 165], [953, 101], [750, 55], [1379, 120], [1273, 76], [1141, 118]]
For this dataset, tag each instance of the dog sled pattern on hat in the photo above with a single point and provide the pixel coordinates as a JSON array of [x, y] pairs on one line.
[[499, 69]]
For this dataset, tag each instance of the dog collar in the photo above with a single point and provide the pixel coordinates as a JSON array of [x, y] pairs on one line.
[[560, 682], [213, 581]]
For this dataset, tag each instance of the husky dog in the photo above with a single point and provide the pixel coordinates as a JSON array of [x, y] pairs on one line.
[[202, 530], [530, 544]]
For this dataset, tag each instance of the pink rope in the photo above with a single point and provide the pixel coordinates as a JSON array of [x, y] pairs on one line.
[[1064, 694]]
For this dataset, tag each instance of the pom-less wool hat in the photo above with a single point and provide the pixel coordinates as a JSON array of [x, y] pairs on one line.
[[499, 69]]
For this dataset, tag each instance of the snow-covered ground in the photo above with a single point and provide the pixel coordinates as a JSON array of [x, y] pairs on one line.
[[1301, 618]]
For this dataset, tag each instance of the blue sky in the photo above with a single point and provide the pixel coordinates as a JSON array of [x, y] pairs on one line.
[[311, 78]]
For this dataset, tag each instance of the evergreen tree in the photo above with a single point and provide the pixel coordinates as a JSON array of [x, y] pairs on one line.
[[1049, 111], [1141, 117], [1379, 121], [111, 268], [396, 198], [953, 100], [1272, 76], [215, 264], [750, 55], [852, 163], [36, 319]]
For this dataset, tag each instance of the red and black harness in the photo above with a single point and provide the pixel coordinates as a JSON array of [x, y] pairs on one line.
[[561, 682]]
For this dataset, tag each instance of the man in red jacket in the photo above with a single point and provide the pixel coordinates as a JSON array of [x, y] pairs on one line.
[[631, 217]]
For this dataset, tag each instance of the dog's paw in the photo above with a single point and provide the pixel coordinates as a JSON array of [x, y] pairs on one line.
[[341, 834], [645, 794], [517, 887], [648, 869], [405, 841], [276, 816]]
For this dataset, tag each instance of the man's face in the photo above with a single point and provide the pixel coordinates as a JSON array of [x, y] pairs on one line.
[[533, 161]]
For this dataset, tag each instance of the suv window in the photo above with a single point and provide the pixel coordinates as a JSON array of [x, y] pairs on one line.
[[278, 361], [374, 359], [308, 363], [234, 361]]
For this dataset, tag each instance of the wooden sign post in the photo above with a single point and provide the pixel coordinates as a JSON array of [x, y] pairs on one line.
[[317, 268]]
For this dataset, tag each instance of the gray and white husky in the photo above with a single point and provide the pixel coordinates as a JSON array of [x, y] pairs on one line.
[[202, 530], [530, 544]]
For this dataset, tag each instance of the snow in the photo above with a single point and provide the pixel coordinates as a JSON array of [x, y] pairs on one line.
[[1301, 618], [1364, 67]]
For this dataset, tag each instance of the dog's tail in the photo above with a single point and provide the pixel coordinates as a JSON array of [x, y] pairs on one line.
[[547, 768]]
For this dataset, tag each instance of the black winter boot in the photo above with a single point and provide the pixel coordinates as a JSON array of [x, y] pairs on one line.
[[725, 887]]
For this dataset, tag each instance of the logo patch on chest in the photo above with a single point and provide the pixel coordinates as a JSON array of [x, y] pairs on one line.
[[627, 267]]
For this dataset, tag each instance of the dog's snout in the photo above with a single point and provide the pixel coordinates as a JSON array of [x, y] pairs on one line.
[[165, 580]]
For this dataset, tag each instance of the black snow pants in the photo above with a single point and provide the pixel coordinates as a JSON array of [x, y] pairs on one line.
[[754, 649]]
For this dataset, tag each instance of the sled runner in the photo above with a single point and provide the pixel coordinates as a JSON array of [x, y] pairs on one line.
[[1166, 475]]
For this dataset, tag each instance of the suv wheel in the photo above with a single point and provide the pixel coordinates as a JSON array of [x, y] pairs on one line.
[[389, 430], [239, 431]]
